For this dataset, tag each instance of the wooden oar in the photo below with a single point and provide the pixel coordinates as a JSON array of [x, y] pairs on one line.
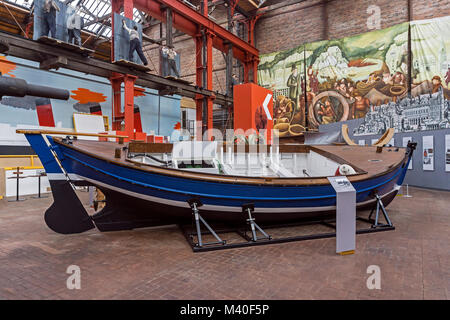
[[67, 133]]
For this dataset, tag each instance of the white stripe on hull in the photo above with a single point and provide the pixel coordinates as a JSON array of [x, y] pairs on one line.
[[208, 207], [56, 176], [62, 176]]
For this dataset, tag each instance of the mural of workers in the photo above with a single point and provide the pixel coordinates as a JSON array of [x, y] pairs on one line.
[[326, 111], [364, 74], [283, 109], [293, 84], [447, 78], [361, 106], [328, 107], [437, 84], [313, 80], [260, 118]]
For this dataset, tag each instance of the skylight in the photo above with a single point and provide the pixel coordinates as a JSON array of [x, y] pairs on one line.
[[94, 12]]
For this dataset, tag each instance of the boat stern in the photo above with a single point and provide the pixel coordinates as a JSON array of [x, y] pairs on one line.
[[67, 214]]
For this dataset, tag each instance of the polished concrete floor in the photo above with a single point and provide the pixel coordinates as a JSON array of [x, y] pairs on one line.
[[414, 260]]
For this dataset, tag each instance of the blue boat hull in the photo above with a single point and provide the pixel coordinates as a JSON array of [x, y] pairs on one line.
[[137, 198]]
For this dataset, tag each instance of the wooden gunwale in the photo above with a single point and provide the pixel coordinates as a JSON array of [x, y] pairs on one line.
[[68, 133], [296, 181]]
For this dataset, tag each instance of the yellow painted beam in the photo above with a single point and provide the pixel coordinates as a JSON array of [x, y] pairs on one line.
[[344, 253], [23, 168], [68, 133], [18, 156]]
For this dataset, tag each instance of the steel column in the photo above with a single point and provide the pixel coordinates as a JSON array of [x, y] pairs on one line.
[[199, 83], [189, 21], [129, 81], [246, 77], [169, 34], [193, 23], [229, 56], [115, 8], [205, 83], [117, 79], [255, 70], [209, 81], [117, 114], [128, 6], [252, 61], [128, 115]]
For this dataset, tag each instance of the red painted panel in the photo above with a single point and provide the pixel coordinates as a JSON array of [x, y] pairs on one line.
[[140, 136], [249, 112], [155, 139], [137, 120], [45, 115], [96, 110], [122, 133]]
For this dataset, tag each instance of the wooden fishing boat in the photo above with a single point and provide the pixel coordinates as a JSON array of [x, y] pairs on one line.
[[150, 184]]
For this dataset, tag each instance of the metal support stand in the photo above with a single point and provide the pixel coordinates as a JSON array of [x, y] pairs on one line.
[[237, 228], [407, 195], [17, 177], [249, 208], [298, 234], [195, 204], [380, 206], [39, 175], [91, 196]]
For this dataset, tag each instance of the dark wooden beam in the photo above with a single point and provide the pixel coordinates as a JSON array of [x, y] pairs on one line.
[[169, 30], [98, 20], [160, 40], [239, 9], [86, 10], [53, 63], [36, 51], [169, 91], [143, 18], [216, 3]]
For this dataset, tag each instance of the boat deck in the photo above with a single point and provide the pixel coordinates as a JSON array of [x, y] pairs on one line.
[[365, 160]]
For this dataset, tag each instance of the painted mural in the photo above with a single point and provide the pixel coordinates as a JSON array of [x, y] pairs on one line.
[[364, 76], [338, 80], [347, 76], [428, 106], [283, 73], [89, 94]]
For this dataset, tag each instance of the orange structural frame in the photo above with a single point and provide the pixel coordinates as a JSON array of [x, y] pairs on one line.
[[253, 109], [207, 35]]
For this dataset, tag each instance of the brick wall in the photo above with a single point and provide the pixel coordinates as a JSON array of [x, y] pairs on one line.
[[303, 22]]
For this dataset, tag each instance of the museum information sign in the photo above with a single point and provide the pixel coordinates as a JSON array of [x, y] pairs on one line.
[[447, 152], [405, 144], [428, 153], [345, 214]]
